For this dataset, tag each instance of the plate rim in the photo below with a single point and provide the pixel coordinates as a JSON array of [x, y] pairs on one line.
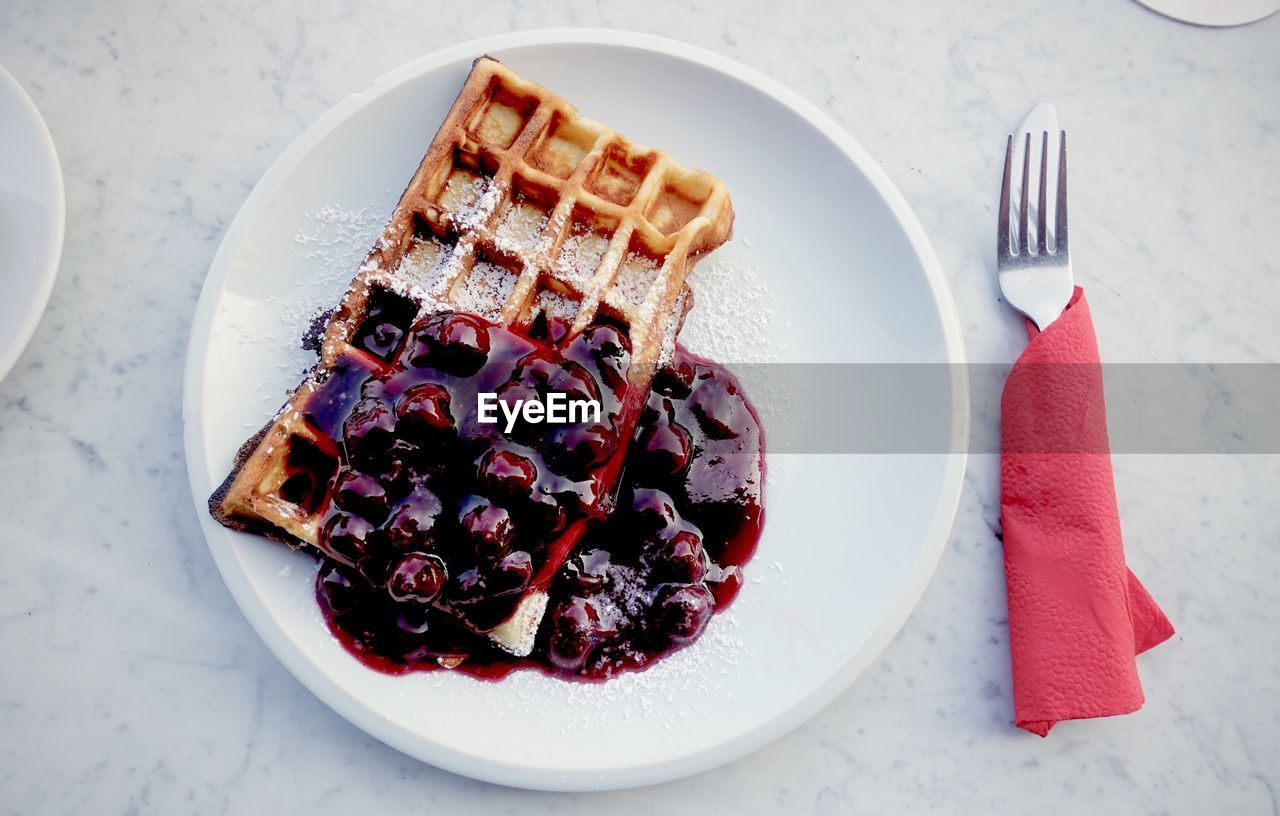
[[446, 757], [49, 273]]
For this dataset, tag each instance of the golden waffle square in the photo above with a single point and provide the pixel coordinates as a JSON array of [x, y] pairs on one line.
[[521, 209]]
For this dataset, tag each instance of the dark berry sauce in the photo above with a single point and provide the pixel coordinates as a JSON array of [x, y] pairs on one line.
[[438, 525]]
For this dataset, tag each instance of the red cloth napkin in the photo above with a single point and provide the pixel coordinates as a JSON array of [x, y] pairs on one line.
[[1077, 615]]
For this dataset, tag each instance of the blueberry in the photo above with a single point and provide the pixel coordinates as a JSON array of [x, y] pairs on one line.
[[450, 342], [507, 472], [654, 509], [412, 525], [362, 494], [425, 408], [346, 537], [464, 340], [679, 559], [536, 370], [683, 612], [487, 525], [576, 630], [417, 578], [338, 587], [369, 430], [666, 448]]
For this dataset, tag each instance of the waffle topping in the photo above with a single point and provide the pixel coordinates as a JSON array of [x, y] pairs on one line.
[[438, 507], [642, 581]]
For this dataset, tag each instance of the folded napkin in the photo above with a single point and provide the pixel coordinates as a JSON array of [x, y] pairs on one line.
[[1077, 615]]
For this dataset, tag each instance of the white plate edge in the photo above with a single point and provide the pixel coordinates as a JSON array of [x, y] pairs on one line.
[[50, 274]]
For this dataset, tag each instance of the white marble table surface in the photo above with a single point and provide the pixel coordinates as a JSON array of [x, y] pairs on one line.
[[130, 682]]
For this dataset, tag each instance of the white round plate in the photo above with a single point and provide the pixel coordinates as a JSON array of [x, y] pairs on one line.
[[831, 266], [1214, 13], [32, 215]]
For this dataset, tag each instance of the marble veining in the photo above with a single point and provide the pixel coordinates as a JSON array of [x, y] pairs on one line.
[[131, 682]]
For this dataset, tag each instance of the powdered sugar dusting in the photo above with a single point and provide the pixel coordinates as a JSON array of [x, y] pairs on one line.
[[626, 599], [485, 290], [421, 274], [580, 256], [667, 353], [462, 189], [554, 304], [732, 312], [477, 203], [635, 278], [336, 241], [520, 227]]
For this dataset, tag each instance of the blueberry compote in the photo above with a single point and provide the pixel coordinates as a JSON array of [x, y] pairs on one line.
[[437, 511], [645, 580], [439, 524]]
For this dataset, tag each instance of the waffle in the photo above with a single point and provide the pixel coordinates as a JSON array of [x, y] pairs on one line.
[[520, 208]]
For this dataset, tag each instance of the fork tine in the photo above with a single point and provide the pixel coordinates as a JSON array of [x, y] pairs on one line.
[[1023, 214], [1042, 217], [1002, 221], [1060, 224]]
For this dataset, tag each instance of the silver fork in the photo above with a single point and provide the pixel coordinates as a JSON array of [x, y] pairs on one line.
[[1035, 279]]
